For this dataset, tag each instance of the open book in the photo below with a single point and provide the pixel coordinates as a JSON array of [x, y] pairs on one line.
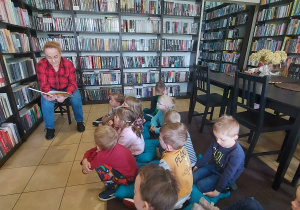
[[53, 92]]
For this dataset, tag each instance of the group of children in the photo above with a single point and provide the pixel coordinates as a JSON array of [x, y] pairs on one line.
[[123, 138]]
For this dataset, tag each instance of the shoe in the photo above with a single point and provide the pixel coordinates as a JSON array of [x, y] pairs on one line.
[[129, 203], [107, 195], [97, 122], [80, 127], [50, 133]]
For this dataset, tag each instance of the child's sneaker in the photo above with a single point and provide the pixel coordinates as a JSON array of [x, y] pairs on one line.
[[128, 202], [107, 195]]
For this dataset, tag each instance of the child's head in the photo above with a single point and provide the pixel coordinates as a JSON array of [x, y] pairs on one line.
[[134, 104], [165, 103], [172, 136], [172, 117], [155, 188], [124, 117], [296, 202], [226, 131], [105, 137], [160, 88], [116, 99]]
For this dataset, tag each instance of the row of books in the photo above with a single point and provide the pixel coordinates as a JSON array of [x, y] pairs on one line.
[[295, 60], [49, 4], [29, 116], [23, 95], [5, 108], [211, 4], [141, 6], [97, 44], [140, 77], [274, 13], [99, 62], [67, 43], [213, 35], [218, 45], [296, 8], [179, 27], [9, 137], [291, 45], [230, 21], [294, 72], [105, 24], [272, 29], [264, 2], [19, 68], [152, 25], [294, 27], [232, 8], [175, 76], [266, 43], [233, 44], [14, 15], [212, 56], [13, 42], [46, 22], [230, 57], [233, 33], [141, 44], [172, 8], [100, 94], [141, 91], [2, 79], [226, 67], [177, 45], [140, 61], [173, 61], [101, 78], [95, 6], [211, 65]]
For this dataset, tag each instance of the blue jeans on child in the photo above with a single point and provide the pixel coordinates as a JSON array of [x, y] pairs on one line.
[[48, 109], [206, 178]]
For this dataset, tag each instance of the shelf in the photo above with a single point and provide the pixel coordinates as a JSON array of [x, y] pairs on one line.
[[217, 7], [277, 19], [180, 34], [10, 153], [95, 32], [224, 28], [257, 37], [281, 2], [176, 67], [139, 84], [230, 62], [19, 53], [217, 61], [231, 14], [13, 25], [127, 51], [22, 80], [294, 53], [133, 33], [100, 85], [141, 67], [139, 14], [80, 51], [30, 131], [95, 12], [212, 50], [55, 32], [30, 102], [180, 16], [181, 51]]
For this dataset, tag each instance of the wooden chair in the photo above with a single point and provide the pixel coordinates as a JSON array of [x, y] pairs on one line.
[[296, 177], [253, 89], [201, 83], [63, 108]]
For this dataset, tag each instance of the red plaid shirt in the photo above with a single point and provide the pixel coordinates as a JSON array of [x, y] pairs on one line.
[[64, 78]]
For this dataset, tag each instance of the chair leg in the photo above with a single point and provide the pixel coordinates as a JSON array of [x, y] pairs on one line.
[[250, 136], [203, 119], [191, 110], [296, 177], [251, 147], [61, 110], [287, 133], [68, 113], [211, 113]]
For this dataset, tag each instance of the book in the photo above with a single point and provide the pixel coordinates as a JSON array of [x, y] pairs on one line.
[[53, 92]]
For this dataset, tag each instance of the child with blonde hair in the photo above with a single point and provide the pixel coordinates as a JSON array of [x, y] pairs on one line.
[[136, 106], [174, 117], [113, 162], [129, 135]]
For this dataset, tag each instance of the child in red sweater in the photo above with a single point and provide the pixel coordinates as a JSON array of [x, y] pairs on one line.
[[113, 162]]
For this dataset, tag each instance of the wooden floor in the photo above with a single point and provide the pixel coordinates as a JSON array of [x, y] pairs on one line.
[[47, 174]]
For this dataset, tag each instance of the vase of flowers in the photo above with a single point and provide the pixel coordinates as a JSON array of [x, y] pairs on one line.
[[271, 62]]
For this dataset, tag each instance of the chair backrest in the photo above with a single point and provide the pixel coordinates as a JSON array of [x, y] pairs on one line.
[[251, 89], [294, 71], [201, 79]]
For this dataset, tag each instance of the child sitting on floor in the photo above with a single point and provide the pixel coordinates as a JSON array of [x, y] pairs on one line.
[[173, 117], [228, 159], [160, 89], [113, 162], [129, 135], [164, 104], [155, 188], [136, 106], [172, 139], [116, 101]]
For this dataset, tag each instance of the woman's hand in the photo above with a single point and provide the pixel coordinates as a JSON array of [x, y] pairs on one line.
[[60, 98], [48, 97]]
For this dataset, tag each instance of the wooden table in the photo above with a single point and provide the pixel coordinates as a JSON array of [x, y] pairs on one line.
[[283, 101]]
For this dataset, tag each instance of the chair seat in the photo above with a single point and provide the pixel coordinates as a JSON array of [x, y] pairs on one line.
[[215, 100], [271, 122]]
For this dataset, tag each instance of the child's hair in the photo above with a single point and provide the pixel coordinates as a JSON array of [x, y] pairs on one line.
[[173, 134], [119, 97], [227, 125], [105, 137], [127, 117], [160, 87], [167, 101], [172, 117], [52, 44], [135, 105], [159, 188]]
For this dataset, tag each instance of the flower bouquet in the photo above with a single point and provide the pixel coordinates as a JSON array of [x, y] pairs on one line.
[[271, 62]]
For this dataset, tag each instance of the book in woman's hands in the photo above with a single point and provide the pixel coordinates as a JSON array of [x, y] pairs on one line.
[[53, 93]]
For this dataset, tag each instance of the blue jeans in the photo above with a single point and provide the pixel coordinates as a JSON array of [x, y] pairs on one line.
[[245, 204], [48, 109], [206, 178]]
